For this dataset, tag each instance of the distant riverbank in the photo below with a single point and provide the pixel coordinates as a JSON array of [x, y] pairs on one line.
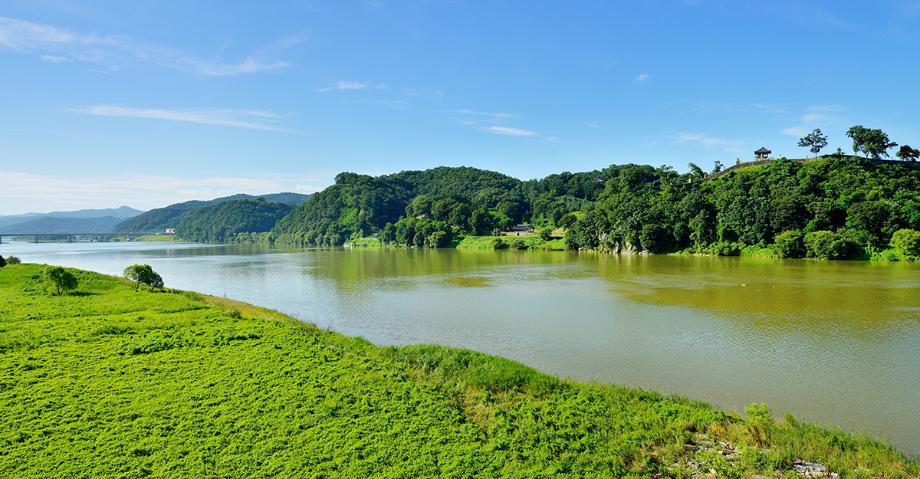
[[192, 384]]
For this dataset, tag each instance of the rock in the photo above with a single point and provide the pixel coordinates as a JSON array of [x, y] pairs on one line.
[[811, 469]]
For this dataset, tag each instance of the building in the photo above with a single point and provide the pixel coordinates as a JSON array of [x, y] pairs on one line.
[[169, 231], [519, 230], [762, 154]]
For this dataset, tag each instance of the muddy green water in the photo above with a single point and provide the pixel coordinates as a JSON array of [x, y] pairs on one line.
[[834, 342]]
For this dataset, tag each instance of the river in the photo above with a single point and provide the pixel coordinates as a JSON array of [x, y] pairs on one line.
[[837, 343]]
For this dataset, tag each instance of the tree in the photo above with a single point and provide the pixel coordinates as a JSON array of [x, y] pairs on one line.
[[717, 167], [143, 274], [814, 141], [907, 153], [60, 279], [13, 260], [2, 262], [874, 143]]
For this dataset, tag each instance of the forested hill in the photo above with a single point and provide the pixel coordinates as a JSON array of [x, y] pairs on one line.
[[224, 221], [844, 205], [157, 220]]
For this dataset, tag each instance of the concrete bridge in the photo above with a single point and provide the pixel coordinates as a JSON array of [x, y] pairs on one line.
[[62, 237]]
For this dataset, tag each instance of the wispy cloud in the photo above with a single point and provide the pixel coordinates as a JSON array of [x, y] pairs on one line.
[[351, 86], [509, 131], [642, 77], [248, 119], [494, 115], [593, 125], [729, 145], [815, 117], [53, 43], [54, 59], [20, 192]]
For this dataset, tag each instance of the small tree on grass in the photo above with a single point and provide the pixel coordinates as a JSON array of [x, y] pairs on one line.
[[60, 279], [13, 260], [2, 261], [814, 141], [874, 143], [143, 274]]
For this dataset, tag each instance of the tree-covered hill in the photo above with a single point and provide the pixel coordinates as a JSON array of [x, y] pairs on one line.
[[835, 206], [839, 206], [223, 221], [157, 220], [441, 199]]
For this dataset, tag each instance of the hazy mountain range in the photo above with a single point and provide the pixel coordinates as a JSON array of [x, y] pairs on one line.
[[123, 219]]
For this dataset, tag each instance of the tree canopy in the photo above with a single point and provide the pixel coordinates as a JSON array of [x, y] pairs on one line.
[[143, 274], [223, 221]]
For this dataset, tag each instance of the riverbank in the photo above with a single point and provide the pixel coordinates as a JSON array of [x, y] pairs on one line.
[[192, 385], [531, 242]]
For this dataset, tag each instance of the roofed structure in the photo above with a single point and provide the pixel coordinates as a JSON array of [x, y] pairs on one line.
[[762, 153]]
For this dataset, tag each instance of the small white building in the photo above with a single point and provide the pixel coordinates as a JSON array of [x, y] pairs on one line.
[[169, 231]]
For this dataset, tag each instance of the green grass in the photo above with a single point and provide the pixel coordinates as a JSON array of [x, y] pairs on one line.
[[108, 382], [155, 238], [533, 242], [365, 243]]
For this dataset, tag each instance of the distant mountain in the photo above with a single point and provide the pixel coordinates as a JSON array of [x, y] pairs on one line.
[[53, 224], [157, 220], [80, 221], [224, 221]]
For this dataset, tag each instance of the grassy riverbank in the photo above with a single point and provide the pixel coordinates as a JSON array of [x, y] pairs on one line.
[[110, 382]]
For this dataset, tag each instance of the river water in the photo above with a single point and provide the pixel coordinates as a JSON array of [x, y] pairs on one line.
[[837, 343]]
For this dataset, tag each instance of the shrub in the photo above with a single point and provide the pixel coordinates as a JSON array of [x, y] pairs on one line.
[[60, 279], [13, 260], [759, 423], [906, 243], [497, 243], [545, 234], [518, 244], [2, 261], [790, 244], [726, 248], [438, 239], [825, 244]]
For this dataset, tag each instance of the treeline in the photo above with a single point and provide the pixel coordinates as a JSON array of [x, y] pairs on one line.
[[225, 221], [836, 206]]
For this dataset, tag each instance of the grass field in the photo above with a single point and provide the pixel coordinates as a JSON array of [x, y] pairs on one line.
[[109, 382]]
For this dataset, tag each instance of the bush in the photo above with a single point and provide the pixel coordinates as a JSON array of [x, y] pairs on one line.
[[518, 244], [497, 243], [60, 279], [790, 244], [726, 248], [438, 239], [906, 243], [13, 260], [825, 245], [545, 234], [2, 261]]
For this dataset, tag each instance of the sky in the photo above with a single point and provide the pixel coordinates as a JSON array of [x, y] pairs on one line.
[[147, 103]]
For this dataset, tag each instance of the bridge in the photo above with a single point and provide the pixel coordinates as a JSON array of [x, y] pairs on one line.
[[64, 237]]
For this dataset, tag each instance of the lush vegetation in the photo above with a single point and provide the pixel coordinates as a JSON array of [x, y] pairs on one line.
[[834, 207], [224, 221], [831, 207], [157, 220], [109, 382]]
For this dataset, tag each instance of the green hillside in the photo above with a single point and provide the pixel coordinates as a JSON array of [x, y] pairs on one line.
[[224, 221], [109, 382], [157, 220], [834, 207]]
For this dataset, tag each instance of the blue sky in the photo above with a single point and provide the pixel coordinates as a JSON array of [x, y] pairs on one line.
[[150, 102]]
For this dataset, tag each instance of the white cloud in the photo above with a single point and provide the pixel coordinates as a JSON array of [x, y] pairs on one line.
[[54, 59], [253, 120], [593, 125], [351, 86], [20, 192], [53, 43], [733, 146], [509, 131], [494, 115], [642, 77], [816, 116]]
